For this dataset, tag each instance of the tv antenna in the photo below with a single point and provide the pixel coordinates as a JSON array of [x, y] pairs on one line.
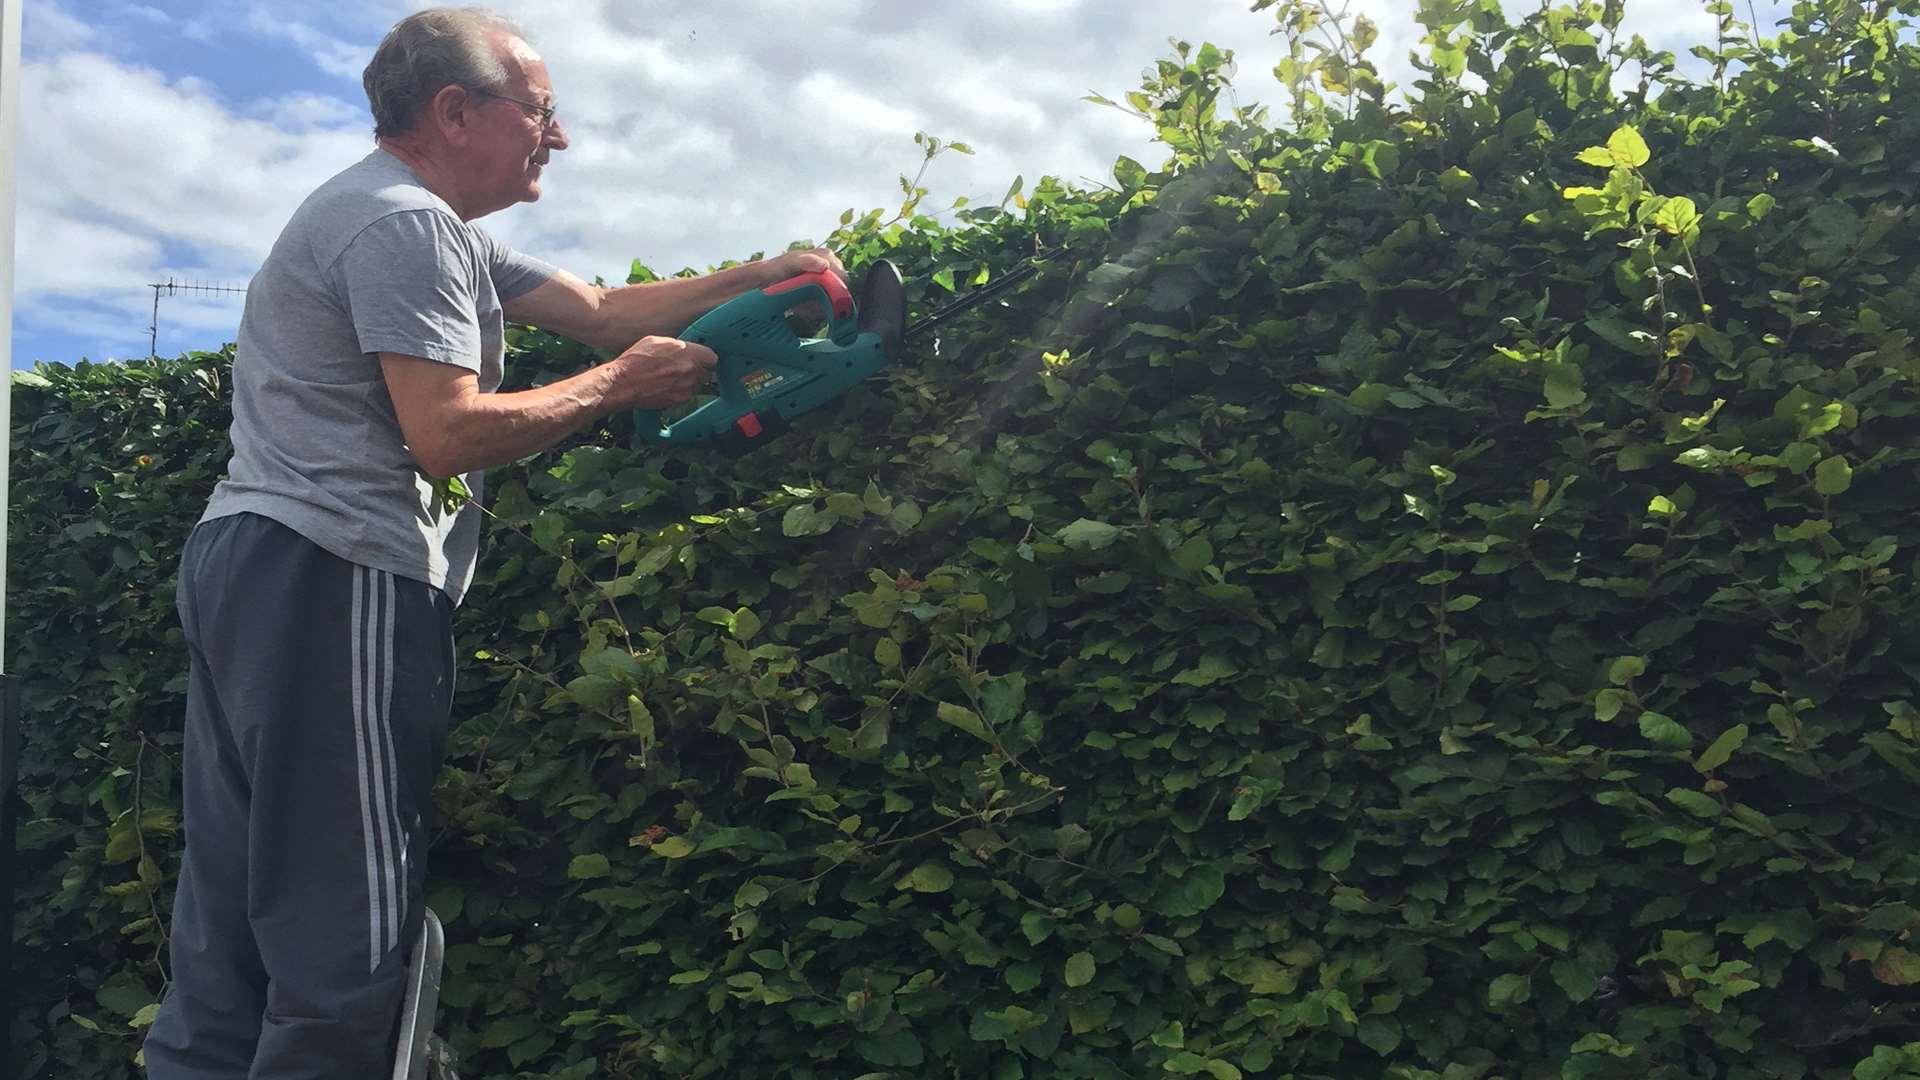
[[171, 287]]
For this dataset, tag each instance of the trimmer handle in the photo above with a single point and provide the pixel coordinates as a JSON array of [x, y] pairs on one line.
[[748, 332], [826, 286]]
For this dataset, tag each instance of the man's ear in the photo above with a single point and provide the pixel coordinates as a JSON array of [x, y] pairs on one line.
[[451, 113]]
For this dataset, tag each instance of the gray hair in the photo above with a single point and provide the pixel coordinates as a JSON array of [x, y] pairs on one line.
[[424, 53]]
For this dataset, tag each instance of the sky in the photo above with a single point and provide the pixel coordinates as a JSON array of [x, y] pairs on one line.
[[172, 143]]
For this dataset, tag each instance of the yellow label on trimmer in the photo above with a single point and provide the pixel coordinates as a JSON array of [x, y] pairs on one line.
[[759, 382]]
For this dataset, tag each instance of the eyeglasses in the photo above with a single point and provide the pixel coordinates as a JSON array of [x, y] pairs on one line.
[[544, 112]]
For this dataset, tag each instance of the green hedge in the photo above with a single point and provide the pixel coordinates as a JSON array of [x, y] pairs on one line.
[[1413, 590], [112, 464]]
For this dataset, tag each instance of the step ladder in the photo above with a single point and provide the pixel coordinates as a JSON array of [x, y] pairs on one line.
[[419, 1054]]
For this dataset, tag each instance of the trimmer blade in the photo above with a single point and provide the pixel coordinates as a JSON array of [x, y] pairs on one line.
[[882, 302]]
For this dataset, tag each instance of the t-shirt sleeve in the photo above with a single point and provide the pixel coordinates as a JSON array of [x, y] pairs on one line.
[[410, 281], [514, 274]]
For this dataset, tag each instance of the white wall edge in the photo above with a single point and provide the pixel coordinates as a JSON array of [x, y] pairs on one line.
[[9, 138]]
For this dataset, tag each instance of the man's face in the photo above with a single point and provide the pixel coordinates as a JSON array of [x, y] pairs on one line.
[[509, 141]]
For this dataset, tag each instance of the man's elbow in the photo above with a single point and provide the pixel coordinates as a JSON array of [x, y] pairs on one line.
[[602, 330], [438, 456], [435, 464], [587, 317]]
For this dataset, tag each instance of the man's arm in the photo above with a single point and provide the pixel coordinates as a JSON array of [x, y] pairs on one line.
[[616, 318], [452, 428]]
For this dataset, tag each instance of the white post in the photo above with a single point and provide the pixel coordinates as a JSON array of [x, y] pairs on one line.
[[9, 699], [9, 116]]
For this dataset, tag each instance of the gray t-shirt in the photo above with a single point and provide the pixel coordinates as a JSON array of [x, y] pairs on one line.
[[372, 262]]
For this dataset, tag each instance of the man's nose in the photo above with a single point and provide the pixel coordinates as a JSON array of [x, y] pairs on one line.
[[556, 135]]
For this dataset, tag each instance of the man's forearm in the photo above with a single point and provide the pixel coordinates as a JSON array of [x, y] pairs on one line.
[[631, 312], [488, 430], [451, 427]]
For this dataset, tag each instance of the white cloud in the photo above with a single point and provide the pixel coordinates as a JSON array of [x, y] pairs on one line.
[[342, 59], [300, 113], [48, 28], [126, 178], [201, 28], [842, 112], [701, 132], [146, 14], [125, 145], [90, 254]]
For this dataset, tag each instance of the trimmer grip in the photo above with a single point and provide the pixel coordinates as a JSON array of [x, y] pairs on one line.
[[705, 422], [826, 286], [651, 424]]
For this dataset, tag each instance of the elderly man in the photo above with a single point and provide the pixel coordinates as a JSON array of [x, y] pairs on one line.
[[317, 590]]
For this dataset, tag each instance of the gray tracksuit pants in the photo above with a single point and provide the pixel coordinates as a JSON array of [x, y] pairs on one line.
[[317, 710]]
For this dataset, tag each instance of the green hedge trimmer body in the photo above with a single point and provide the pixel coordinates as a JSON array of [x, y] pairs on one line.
[[767, 374]]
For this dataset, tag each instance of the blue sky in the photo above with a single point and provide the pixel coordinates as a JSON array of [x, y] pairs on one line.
[[173, 142], [102, 82]]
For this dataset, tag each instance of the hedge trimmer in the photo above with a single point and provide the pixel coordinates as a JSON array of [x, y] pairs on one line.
[[767, 374]]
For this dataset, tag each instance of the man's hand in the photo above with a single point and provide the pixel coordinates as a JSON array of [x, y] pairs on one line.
[[795, 263], [612, 318], [451, 427], [660, 372]]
